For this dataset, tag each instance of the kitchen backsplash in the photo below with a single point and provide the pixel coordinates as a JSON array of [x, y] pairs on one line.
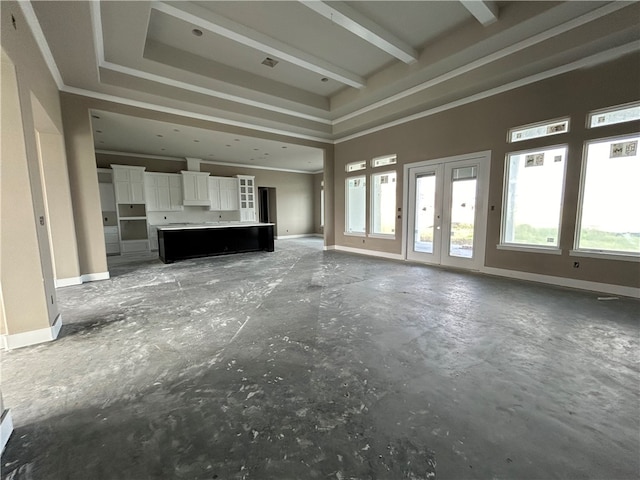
[[192, 215]]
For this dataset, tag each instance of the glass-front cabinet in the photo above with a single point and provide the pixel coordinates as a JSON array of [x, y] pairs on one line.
[[247, 195]]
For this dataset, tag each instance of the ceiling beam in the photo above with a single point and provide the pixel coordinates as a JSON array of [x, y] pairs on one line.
[[485, 11], [248, 37], [358, 24]]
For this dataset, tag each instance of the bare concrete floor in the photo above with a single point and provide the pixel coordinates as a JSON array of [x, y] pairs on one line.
[[303, 364]]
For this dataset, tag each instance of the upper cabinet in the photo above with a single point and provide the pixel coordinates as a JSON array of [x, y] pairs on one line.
[[163, 192], [247, 197], [195, 188], [223, 193], [128, 183]]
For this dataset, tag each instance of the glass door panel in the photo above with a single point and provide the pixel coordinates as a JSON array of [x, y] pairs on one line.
[[425, 213], [463, 211]]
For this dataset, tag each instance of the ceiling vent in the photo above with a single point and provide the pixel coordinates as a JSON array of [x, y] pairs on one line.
[[269, 62]]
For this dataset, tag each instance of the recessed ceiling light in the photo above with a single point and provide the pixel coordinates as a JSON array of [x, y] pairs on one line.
[[236, 139], [98, 131], [196, 141], [269, 62], [163, 149], [95, 116], [197, 32], [324, 79], [176, 130], [284, 146], [255, 149], [158, 135], [266, 154], [227, 145]]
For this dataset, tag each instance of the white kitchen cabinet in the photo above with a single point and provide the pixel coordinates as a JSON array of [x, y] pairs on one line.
[[214, 194], [229, 196], [128, 183], [247, 198], [195, 188], [223, 194], [163, 192]]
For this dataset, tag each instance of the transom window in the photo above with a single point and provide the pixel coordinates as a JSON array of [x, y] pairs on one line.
[[536, 130], [613, 115], [383, 161], [355, 166]]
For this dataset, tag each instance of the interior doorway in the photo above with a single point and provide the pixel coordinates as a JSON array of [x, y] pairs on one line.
[[267, 205], [447, 210]]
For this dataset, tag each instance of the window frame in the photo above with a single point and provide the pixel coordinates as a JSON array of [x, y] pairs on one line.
[[593, 252], [539, 124], [600, 111], [527, 247], [346, 206], [389, 236]]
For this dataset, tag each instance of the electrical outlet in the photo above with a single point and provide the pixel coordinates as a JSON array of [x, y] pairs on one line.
[[576, 264]]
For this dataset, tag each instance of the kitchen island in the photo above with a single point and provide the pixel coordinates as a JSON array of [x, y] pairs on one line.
[[179, 242]]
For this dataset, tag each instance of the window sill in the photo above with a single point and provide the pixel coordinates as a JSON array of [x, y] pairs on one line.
[[626, 257], [383, 236], [355, 234], [530, 249]]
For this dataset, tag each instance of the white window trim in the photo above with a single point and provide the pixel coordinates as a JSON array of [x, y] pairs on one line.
[[516, 247], [609, 255], [383, 236], [346, 206], [585, 252], [391, 155], [539, 124], [600, 111], [379, 235], [355, 172], [504, 199]]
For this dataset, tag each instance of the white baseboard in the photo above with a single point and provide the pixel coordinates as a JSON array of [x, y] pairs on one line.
[[371, 253], [329, 247], [67, 282], [283, 237], [92, 277], [6, 428], [33, 337], [565, 282]]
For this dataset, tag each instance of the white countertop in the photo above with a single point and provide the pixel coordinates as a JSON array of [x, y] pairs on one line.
[[194, 226]]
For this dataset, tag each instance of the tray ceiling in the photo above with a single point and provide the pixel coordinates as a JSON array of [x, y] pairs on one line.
[[341, 68]]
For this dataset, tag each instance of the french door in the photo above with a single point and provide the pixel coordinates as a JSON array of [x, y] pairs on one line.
[[447, 211]]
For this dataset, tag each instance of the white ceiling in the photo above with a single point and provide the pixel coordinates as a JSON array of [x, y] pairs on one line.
[[344, 68]]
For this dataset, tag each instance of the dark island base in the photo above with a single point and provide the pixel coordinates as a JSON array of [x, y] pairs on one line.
[[180, 244]]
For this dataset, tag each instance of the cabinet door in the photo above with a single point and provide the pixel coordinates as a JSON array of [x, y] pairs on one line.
[[229, 194], [175, 192], [214, 194], [189, 187], [164, 198], [202, 188], [123, 191], [137, 192], [150, 193]]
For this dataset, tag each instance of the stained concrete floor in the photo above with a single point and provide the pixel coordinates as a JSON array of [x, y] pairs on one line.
[[303, 364]]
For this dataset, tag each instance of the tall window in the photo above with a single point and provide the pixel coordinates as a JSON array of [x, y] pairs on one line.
[[610, 196], [383, 203], [356, 205], [533, 197]]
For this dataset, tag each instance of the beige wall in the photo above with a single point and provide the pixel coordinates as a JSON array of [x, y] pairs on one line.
[[483, 125], [27, 278]]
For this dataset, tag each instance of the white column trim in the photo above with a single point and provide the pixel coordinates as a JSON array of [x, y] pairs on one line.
[[66, 282], [32, 337], [92, 277]]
